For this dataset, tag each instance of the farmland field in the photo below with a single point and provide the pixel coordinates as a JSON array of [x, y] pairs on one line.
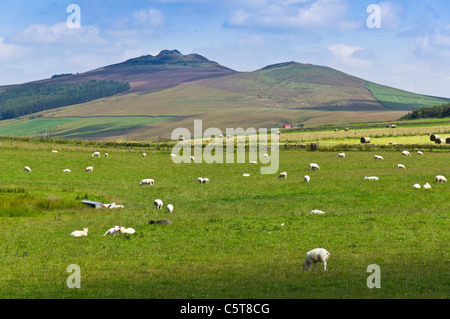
[[235, 237]]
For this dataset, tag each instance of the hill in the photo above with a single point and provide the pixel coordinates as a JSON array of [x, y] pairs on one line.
[[173, 89]]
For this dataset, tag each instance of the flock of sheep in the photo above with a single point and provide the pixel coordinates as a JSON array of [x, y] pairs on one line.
[[317, 255]]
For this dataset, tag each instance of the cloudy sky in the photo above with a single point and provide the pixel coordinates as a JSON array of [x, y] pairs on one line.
[[400, 43]]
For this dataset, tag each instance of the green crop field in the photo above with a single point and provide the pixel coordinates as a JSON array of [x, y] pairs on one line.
[[236, 237]]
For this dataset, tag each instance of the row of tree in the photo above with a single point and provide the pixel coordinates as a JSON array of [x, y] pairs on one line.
[[438, 111], [32, 98]]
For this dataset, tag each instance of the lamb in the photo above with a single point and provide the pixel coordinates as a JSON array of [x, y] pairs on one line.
[[96, 154], [440, 178], [314, 256], [306, 178], [67, 170], [170, 208], [27, 169], [123, 230], [427, 186], [147, 181], [401, 166], [314, 167], [113, 231], [79, 233], [341, 155], [283, 174], [371, 178], [416, 186], [419, 153], [379, 157], [89, 169], [316, 211], [406, 153], [158, 203]]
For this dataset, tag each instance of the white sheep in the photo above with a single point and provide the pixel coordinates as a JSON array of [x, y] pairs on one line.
[[427, 186], [440, 178], [314, 167], [113, 205], [79, 233], [306, 178], [144, 155], [113, 231], [192, 158], [371, 178], [406, 153], [89, 169], [54, 151], [106, 154], [401, 166], [265, 155], [419, 153], [173, 155], [200, 180], [253, 162], [147, 181], [27, 169], [317, 255], [341, 155], [170, 208], [283, 174], [203, 180], [128, 230], [67, 170], [96, 154], [317, 211], [158, 203], [379, 157], [416, 186], [246, 175]]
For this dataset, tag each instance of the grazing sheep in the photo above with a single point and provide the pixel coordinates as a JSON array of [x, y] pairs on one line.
[[106, 154], [371, 178], [440, 178], [67, 170], [427, 186], [314, 167], [147, 181], [406, 153], [246, 175], [283, 174], [89, 169], [401, 166], [416, 186], [96, 154], [306, 178], [158, 203], [54, 151], [317, 255], [341, 155], [144, 155], [316, 211], [27, 169], [379, 157], [129, 230], [419, 153], [203, 180], [167, 222], [113, 231], [200, 180], [170, 208], [79, 233]]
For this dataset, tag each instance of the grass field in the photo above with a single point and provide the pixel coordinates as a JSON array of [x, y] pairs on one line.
[[235, 237]]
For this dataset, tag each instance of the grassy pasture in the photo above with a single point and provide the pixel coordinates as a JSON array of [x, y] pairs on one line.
[[235, 237]]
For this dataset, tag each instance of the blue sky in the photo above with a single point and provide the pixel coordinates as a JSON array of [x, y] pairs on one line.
[[410, 50]]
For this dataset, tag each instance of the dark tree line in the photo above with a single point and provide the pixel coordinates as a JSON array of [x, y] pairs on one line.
[[32, 98], [438, 111]]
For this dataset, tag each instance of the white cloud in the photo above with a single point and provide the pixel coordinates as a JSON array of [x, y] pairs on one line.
[[149, 17], [10, 52], [390, 15], [350, 55]]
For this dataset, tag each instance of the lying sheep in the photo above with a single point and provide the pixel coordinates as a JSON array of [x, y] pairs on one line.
[[246, 175], [379, 157], [129, 230], [283, 174], [416, 186], [316, 211], [306, 178], [79, 233], [113, 231], [314, 167], [427, 186], [158, 203], [406, 153], [67, 170], [419, 153], [371, 178], [401, 166], [440, 178], [341, 155], [89, 169], [166, 222], [112, 206], [96, 154], [147, 181], [170, 208], [253, 162], [54, 151], [27, 169], [317, 255]]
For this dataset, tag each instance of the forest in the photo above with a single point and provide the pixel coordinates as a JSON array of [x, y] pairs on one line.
[[437, 111], [31, 98]]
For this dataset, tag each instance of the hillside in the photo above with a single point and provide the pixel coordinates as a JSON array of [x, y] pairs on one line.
[[172, 90]]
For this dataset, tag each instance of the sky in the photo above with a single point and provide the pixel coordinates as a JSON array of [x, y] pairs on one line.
[[400, 43]]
